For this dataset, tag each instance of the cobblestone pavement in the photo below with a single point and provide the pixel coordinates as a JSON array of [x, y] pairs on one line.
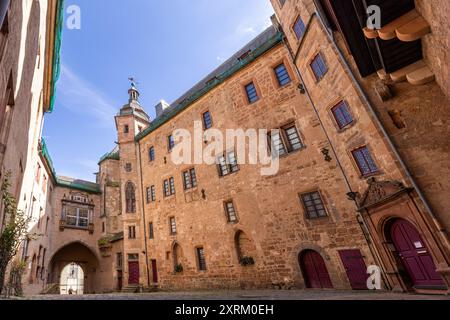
[[250, 295]]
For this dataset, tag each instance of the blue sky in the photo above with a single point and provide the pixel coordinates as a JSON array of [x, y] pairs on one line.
[[168, 45]]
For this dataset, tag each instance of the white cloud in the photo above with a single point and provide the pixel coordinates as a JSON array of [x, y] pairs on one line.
[[78, 95]]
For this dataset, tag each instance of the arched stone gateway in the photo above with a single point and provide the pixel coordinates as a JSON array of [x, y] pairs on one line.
[[83, 261]]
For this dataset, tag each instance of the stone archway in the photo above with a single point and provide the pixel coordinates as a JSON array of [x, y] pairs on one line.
[[79, 254], [72, 280]]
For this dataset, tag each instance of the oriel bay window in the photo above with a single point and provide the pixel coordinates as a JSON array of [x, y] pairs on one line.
[[76, 216], [189, 179], [286, 140]]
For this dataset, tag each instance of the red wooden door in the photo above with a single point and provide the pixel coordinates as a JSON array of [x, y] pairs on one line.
[[314, 270], [154, 272], [133, 272], [355, 267], [414, 255]]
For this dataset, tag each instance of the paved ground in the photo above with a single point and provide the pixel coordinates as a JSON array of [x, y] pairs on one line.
[[251, 295]]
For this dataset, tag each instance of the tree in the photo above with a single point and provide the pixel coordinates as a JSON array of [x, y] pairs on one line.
[[15, 230]]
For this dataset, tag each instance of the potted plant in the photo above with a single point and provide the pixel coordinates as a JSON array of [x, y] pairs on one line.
[[179, 268]]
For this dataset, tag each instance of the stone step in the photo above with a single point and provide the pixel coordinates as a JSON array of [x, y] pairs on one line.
[[400, 75], [388, 32], [421, 76]]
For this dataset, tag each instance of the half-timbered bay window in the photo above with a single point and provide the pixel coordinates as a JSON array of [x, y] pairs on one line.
[[286, 140], [227, 164]]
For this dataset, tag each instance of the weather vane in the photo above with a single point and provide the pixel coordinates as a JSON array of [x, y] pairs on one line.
[[133, 81]]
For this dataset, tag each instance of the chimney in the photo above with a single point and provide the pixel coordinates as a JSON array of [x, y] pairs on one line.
[[160, 107]]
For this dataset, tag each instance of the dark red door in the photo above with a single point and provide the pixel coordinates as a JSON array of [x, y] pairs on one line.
[[314, 270], [154, 271], [355, 267], [119, 280], [133, 272], [414, 254]]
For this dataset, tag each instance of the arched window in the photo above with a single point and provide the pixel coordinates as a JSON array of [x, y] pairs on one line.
[[130, 197], [177, 255]]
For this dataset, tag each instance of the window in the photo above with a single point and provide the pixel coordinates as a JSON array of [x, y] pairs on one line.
[[230, 211], [252, 94], [227, 164], [131, 232], [76, 217], [189, 179], [151, 194], [119, 260], [287, 140], [201, 259], [130, 198], [207, 120], [151, 233], [4, 31], [169, 187], [46, 225], [151, 154], [128, 167], [173, 226], [103, 227], [319, 67], [313, 205], [299, 28], [126, 129], [364, 160], [342, 114], [44, 184], [282, 75], [38, 173], [170, 142]]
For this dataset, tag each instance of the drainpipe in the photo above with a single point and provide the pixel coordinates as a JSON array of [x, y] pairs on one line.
[[143, 213], [383, 131], [361, 222]]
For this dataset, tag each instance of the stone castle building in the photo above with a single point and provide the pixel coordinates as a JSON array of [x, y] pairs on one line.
[[363, 171]]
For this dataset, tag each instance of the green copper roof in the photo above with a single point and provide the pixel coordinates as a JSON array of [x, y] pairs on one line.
[[77, 184], [57, 52], [47, 158], [113, 155], [236, 66]]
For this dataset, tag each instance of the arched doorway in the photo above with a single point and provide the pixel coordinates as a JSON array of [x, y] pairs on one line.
[[84, 262], [72, 280], [413, 253], [314, 270]]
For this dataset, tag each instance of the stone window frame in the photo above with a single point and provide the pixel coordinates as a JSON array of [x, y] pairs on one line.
[[284, 139], [330, 108], [225, 155], [356, 165], [244, 85], [173, 226], [289, 70], [150, 195], [203, 119], [227, 214], [151, 154], [309, 62], [305, 210], [201, 267], [294, 23], [170, 187], [193, 180], [151, 230], [132, 232], [170, 142]]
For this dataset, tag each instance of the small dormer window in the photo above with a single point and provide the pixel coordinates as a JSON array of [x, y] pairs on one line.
[[126, 129]]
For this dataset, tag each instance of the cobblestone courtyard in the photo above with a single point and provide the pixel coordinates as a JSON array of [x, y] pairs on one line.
[[250, 295]]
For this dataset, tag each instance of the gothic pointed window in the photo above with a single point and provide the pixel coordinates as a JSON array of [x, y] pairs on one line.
[[130, 197]]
